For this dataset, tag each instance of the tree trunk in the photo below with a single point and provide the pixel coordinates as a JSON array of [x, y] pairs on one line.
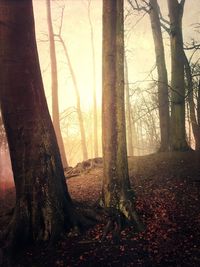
[[43, 205], [78, 102], [116, 191], [193, 120], [54, 86], [128, 112], [94, 86], [163, 100], [198, 103], [178, 133]]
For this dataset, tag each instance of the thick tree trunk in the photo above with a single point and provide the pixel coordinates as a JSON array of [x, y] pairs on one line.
[[116, 191], [163, 100], [178, 134], [128, 112], [43, 205], [54, 86], [193, 119]]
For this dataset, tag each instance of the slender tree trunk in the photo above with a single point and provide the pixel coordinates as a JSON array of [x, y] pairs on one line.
[[94, 86], [43, 205], [189, 137], [163, 100], [198, 104], [78, 102], [54, 86], [178, 133], [195, 126], [128, 112], [116, 191]]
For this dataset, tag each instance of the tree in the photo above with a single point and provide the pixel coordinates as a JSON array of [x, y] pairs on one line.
[[95, 134], [178, 134], [78, 100], [116, 192], [153, 10], [191, 102], [163, 101], [54, 86], [128, 111], [43, 205]]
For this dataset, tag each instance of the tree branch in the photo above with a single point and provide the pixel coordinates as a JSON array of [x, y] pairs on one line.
[[161, 16], [182, 3], [165, 27], [137, 7]]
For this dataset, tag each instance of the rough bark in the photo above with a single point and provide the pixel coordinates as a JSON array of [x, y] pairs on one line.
[[128, 112], [116, 192], [163, 100], [54, 86], [193, 119], [43, 205], [178, 133]]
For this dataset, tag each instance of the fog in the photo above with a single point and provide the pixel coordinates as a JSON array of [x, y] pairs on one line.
[[76, 33]]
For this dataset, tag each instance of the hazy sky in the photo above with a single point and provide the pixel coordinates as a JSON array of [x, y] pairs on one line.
[[76, 33]]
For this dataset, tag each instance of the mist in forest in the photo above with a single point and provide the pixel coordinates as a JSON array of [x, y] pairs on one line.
[[81, 32], [100, 129], [80, 18]]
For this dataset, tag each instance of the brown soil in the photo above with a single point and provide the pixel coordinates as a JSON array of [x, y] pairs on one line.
[[168, 202]]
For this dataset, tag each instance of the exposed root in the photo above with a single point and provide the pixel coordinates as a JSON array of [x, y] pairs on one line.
[[114, 226], [119, 218], [83, 167]]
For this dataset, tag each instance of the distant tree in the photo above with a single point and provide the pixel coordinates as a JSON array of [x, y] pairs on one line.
[[191, 102], [163, 100], [152, 8], [178, 133], [54, 86], [95, 134], [75, 84], [129, 125], [43, 205], [116, 193]]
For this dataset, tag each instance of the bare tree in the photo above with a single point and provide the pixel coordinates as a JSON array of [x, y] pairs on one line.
[[178, 133], [116, 192], [94, 84], [78, 101], [192, 112], [128, 111], [153, 10], [54, 86]]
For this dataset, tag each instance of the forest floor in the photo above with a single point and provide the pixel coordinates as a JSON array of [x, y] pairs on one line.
[[167, 186]]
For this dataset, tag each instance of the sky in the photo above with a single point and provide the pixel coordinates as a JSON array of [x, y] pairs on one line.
[[76, 33]]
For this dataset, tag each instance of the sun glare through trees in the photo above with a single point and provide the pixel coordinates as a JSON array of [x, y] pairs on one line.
[[99, 133]]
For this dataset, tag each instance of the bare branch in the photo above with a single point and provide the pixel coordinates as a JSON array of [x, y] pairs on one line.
[[165, 27], [61, 19], [182, 3], [161, 16], [195, 46], [137, 7]]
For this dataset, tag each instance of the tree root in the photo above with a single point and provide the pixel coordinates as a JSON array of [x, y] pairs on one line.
[[114, 226], [119, 218]]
